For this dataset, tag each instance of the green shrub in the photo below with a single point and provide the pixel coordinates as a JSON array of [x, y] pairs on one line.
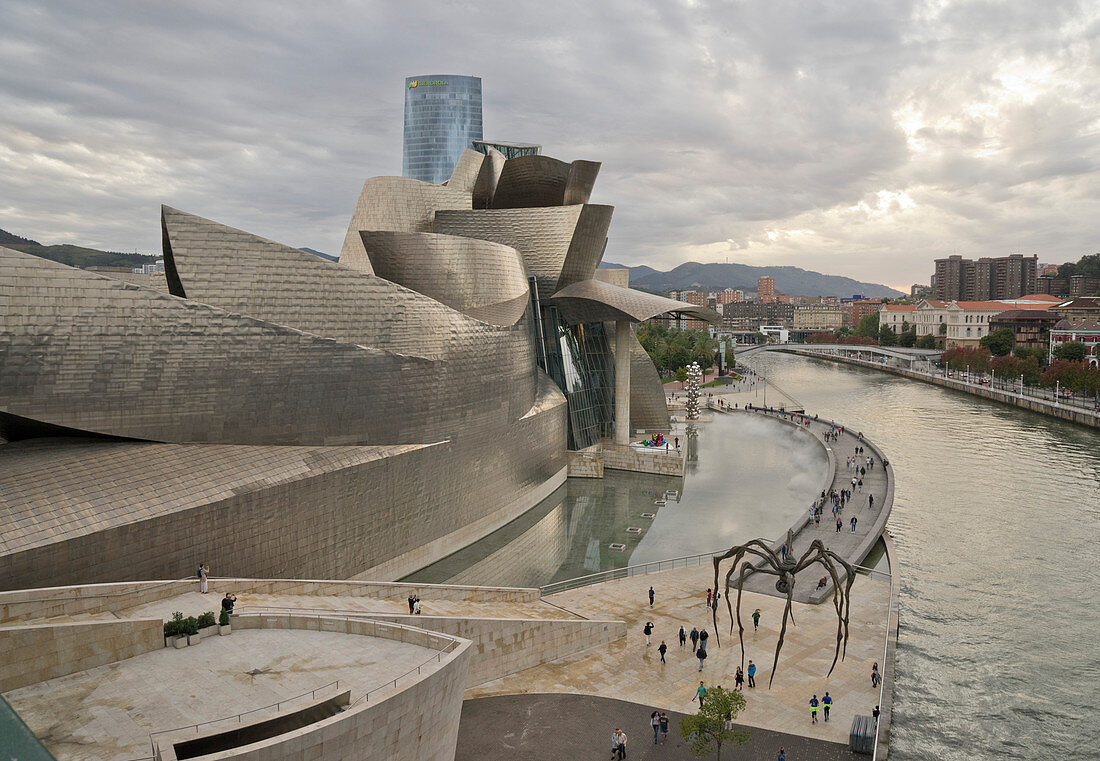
[[206, 619], [191, 625], [174, 626], [223, 619]]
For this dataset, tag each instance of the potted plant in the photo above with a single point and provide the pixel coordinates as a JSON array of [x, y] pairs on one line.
[[223, 623], [174, 631], [207, 624], [191, 628]]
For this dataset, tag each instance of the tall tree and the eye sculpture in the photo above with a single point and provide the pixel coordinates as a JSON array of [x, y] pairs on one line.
[[785, 566]]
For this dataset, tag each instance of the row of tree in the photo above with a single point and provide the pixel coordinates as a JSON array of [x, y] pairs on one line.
[[672, 349], [1069, 369]]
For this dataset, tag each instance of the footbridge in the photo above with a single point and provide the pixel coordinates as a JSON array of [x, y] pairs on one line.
[[894, 356]]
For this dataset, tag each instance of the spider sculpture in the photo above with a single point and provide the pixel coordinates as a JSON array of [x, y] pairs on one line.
[[785, 566]]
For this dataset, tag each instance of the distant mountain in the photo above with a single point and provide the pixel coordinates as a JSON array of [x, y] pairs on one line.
[[75, 256], [789, 280], [315, 252]]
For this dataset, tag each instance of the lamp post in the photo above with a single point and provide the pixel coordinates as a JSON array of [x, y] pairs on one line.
[[968, 373], [992, 380], [1056, 390]]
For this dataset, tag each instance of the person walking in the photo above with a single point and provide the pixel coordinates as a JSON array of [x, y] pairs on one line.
[[694, 639], [619, 744], [827, 703], [854, 521], [781, 755], [708, 597], [870, 501], [701, 654], [416, 606], [662, 650], [739, 680], [752, 674], [683, 636], [412, 601], [700, 693], [655, 722], [703, 637], [651, 597], [813, 709], [648, 630], [204, 578], [875, 676], [663, 723], [839, 524], [756, 619]]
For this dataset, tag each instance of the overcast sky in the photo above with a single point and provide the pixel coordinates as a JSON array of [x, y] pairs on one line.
[[854, 138]]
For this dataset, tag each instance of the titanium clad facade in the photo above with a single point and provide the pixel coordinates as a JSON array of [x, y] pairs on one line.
[[278, 414], [442, 119]]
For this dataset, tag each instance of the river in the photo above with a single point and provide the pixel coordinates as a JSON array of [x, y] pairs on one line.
[[996, 516]]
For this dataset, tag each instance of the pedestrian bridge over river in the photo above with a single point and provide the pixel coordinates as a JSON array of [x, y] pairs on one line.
[[888, 355]]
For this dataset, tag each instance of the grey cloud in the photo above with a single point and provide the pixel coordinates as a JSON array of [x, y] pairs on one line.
[[716, 122]]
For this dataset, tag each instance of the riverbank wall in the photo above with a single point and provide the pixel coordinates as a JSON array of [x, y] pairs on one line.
[[1043, 407]]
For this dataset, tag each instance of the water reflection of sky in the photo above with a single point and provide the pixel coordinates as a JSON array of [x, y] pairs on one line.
[[747, 477], [751, 478]]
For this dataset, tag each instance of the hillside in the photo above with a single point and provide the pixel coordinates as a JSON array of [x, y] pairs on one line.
[[74, 256], [790, 280]]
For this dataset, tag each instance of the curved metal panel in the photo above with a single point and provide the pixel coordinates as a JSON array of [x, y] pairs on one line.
[[582, 178], [546, 238], [535, 181], [471, 275], [466, 171], [598, 301], [400, 204], [648, 408]]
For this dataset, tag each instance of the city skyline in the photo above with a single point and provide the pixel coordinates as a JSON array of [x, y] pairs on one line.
[[857, 142]]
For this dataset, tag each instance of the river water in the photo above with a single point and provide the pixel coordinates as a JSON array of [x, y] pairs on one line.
[[996, 519]]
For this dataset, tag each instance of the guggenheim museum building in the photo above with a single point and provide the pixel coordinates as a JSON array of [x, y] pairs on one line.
[[280, 415]]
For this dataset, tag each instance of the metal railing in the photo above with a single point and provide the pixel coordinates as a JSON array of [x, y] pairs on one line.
[[277, 706], [627, 571], [323, 613]]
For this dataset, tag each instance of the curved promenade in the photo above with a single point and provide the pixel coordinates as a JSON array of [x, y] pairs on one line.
[[870, 521]]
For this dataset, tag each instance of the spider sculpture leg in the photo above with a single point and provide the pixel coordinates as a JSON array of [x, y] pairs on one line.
[[789, 578]]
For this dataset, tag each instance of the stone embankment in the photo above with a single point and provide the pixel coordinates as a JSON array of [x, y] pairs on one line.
[[1073, 414]]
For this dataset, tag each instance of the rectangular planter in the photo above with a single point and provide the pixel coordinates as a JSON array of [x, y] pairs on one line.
[[208, 631], [226, 630], [180, 641]]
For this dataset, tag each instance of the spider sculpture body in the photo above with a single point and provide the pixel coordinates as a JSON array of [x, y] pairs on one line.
[[785, 566]]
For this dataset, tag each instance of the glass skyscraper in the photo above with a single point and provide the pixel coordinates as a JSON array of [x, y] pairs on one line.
[[442, 119]]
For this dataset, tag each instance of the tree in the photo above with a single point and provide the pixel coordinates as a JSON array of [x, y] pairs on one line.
[[1073, 351], [943, 328], [1023, 352], [999, 341], [959, 358], [1010, 368], [707, 728], [886, 336], [868, 326], [681, 374], [926, 342], [908, 338]]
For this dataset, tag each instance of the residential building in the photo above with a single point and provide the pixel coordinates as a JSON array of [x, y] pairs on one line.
[[918, 291], [856, 309], [749, 316], [765, 290], [1085, 331], [817, 317], [442, 119], [1080, 309], [1076, 285], [987, 278], [1030, 327]]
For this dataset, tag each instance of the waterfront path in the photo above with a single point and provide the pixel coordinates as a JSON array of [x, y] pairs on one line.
[[628, 670], [870, 521]]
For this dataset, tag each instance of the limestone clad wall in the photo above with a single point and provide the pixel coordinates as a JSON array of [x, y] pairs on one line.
[[34, 654], [504, 646]]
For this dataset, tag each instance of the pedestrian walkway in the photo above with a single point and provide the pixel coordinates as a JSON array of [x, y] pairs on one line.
[[870, 521], [628, 670]]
